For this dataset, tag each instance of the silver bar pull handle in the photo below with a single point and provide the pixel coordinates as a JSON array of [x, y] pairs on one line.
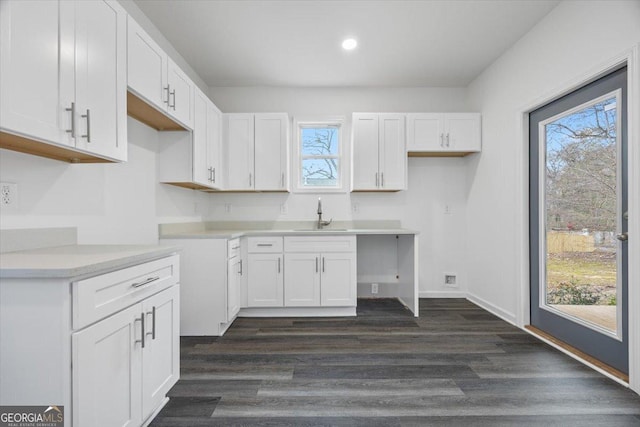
[[153, 323], [279, 265], [145, 282], [382, 179], [282, 180], [377, 179], [88, 117], [241, 267], [72, 131], [167, 89], [316, 264], [141, 320], [623, 237], [441, 140], [323, 264], [447, 139], [173, 93], [213, 170], [250, 180], [264, 244]]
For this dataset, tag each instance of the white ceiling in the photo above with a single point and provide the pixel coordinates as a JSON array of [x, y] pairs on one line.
[[297, 42]]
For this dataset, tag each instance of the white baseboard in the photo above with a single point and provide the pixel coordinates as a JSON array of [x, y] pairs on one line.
[[443, 294], [504, 315]]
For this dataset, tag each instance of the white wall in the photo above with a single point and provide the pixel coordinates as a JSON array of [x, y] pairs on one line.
[[108, 203], [577, 36], [432, 182]]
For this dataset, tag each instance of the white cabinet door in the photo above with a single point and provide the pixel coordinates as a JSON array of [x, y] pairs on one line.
[[181, 90], [146, 67], [265, 280], [214, 145], [200, 163], [442, 133], [107, 371], [301, 280], [463, 132], [338, 279], [30, 103], [365, 171], [271, 142], [425, 132], [239, 137], [101, 79], [392, 151], [234, 270], [161, 353]]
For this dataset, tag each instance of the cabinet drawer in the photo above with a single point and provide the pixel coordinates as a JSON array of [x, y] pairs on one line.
[[264, 244], [233, 248], [100, 296], [320, 244]]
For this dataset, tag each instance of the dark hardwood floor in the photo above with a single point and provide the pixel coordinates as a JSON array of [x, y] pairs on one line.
[[455, 365]]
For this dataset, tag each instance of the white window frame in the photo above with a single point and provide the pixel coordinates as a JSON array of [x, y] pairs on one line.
[[296, 167]]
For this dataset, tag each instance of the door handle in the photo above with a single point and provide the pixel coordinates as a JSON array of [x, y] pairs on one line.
[[168, 89], [141, 319], [72, 110], [278, 265], [441, 140], [88, 117], [153, 323], [623, 237], [323, 264], [316, 264]]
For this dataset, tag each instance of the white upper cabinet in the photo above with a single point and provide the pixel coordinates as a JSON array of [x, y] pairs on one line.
[[379, 154], [201, 173], [256, 152], [214, 145], [192, 159], [238, 131], [157, 80], [440, 133], [63, 79], [271, 144], [181, 90], [147, 66]]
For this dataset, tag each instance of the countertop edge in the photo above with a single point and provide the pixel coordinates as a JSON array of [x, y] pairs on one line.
[[233, 234], [90, 269]]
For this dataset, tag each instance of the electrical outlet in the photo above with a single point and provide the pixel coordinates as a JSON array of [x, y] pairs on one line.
[[8, 194], [447, 209], [355, 207], [284, 209], [451, 280], [374, 288], [227, 208]]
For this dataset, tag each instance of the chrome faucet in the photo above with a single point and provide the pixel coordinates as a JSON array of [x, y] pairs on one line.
[[321, 223]]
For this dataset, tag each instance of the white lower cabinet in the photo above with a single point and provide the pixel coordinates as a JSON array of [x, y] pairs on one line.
[[320, 279], [338, 279], [125, 364], [301, 280], [265, 280], [105, 347]]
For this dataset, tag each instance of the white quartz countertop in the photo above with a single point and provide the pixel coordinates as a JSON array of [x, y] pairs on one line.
[[77, 260], [232, 234]]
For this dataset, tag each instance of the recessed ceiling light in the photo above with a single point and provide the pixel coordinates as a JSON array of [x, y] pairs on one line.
[[349, 44]]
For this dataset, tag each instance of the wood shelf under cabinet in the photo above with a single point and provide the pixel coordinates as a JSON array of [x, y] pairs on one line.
[[439, 153], [9, 141], [145, 113]]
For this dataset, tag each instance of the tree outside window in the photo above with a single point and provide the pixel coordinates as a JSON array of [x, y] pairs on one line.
[[319, 156]]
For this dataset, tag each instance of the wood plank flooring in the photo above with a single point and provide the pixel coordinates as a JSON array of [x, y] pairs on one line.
[[456, 365]]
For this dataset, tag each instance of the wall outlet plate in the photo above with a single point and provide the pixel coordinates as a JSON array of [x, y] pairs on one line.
[[8, 194], [374, 288]]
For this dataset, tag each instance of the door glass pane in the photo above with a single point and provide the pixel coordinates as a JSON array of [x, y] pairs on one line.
[[581, 204]]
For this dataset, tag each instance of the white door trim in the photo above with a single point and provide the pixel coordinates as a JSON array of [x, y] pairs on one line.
[[630, 57]]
